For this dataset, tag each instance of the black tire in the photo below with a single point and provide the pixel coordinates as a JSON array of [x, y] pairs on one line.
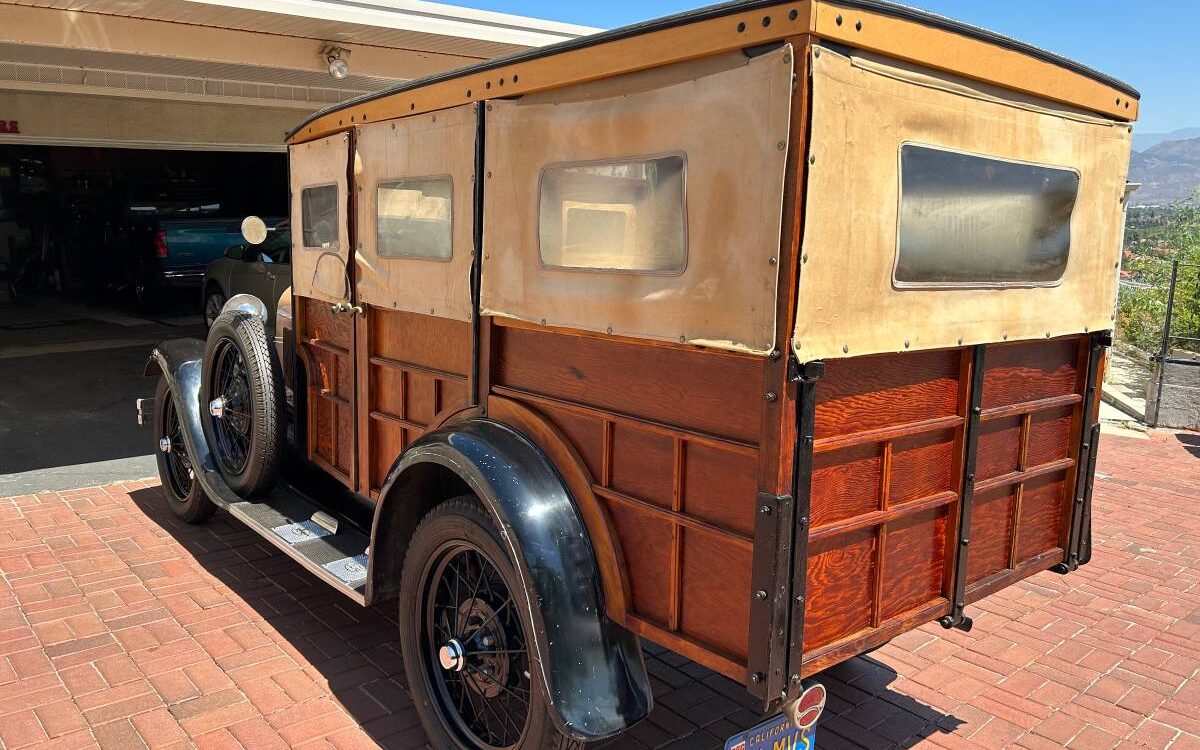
[[179, 486], [239, 368], [214, 300], [495, 699]]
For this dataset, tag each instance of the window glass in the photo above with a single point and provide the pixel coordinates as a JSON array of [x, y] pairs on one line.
[[278, 245], [968, 220], [625, 215], [319, 217], [414, 218]]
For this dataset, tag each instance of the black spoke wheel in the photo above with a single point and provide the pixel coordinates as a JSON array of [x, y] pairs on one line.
[[241, 396], [232, 429], [466, 637], [175, 470]]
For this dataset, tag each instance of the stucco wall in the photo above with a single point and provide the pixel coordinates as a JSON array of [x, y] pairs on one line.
[[73, 119]]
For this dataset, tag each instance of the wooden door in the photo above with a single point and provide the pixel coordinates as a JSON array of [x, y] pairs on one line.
[[322, 236]]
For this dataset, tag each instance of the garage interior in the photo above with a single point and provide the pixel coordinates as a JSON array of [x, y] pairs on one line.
[[112, 112]]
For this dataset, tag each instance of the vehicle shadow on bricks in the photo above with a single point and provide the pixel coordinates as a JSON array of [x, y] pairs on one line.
[[1191, 442], [357, 652]]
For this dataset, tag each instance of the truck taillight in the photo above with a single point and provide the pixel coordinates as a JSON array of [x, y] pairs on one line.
[[160, 244]]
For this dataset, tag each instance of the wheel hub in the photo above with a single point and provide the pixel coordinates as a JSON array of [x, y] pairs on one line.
[[452, 657], [164, 444]]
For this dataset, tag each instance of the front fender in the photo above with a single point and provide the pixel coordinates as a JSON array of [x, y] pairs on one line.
[[181, 362], [592, 670]]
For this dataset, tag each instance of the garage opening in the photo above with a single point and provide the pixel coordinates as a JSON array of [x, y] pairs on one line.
[[103, 253]]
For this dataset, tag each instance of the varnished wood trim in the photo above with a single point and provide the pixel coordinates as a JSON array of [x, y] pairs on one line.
[[329, 395], [885, 486], [969, 57], [875, 518], [700, 653], [383, 416], [729, 444], [728, 535], [852, 645], [325, 346], [1005, 578], [401, 365], [905, 39], [676, 603], [1013, 477], [825, 445], [1022, 466], [1042, 404]]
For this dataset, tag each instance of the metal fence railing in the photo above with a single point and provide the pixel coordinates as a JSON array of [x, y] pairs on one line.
[[1158, 319]]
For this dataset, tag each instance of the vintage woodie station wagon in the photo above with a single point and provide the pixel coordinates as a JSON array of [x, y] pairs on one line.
[[764, 333]]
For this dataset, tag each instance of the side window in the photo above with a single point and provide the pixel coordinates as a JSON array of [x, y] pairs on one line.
[[319, 217], [625, 215], [277, 248], [970, 220], [414, 218]]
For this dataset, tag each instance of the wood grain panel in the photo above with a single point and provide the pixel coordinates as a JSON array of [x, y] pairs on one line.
[[999, 447], [1043, 505], [716, 592], [388, 440], [422, 340], [642, 464], [840, 587], [1016, 373], [719, 487], [708, 391], [991, 533], [922, 465], [914, 555], [873, 392], [1050, 436], [845, 484], [420, 397], [646, 543], [586, 434]]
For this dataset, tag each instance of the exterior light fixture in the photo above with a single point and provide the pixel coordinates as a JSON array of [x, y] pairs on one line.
[[335, 58]]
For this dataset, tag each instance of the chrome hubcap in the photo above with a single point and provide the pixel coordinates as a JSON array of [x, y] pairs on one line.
[[164, 444], [216, 407], [451, 656]]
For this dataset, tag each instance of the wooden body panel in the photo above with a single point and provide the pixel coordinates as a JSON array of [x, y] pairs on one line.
[[887, 478], [415, 374], [326, 343], [669, 438]]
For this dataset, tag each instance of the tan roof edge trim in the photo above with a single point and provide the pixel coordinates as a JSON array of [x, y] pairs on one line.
[[876, 31], [625, 55], [968, 57]]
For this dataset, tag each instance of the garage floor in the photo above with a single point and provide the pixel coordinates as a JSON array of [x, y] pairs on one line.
[[121, 627], [69, 374]]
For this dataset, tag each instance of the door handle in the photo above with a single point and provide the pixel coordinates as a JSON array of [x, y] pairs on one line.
[[345, 307]]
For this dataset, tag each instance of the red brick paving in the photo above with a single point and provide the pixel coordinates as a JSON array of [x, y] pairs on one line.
[[122, 628]]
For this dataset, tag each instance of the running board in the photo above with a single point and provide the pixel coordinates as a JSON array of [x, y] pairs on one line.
[[302, 531], [332, 549]]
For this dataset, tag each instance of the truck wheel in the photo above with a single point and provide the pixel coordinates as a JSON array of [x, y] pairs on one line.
[[466, 638], [184, 496], [241, 390]]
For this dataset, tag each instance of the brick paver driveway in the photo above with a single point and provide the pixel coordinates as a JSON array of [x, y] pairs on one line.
[[123, 628]]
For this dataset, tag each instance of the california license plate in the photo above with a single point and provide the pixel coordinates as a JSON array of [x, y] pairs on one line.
[[794, 729]]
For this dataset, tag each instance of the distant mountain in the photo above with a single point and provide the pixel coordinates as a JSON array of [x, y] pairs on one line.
[[1169, 172], [1143, 141]]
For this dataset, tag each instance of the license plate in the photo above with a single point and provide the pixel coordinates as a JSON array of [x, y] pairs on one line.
[[794, 729]]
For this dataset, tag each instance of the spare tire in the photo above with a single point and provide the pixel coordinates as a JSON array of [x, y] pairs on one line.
[[242, 393]]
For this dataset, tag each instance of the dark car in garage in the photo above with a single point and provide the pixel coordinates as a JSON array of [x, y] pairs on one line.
[[264, 271]]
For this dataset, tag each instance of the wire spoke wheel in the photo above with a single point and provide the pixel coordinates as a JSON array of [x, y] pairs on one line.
[[179, 465], [478, 656], [232, 429]]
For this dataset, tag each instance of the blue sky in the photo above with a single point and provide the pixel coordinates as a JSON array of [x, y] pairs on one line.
[[1151, 44]]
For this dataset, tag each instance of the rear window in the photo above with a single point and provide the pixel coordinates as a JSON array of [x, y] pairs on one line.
[[970, 220], [414, 218], [319, 217], [625, 215]]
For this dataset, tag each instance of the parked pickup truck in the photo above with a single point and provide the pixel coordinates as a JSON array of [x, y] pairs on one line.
[[169, 245]]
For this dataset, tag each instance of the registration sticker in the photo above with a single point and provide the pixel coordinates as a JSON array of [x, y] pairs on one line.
[[794, 729]]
